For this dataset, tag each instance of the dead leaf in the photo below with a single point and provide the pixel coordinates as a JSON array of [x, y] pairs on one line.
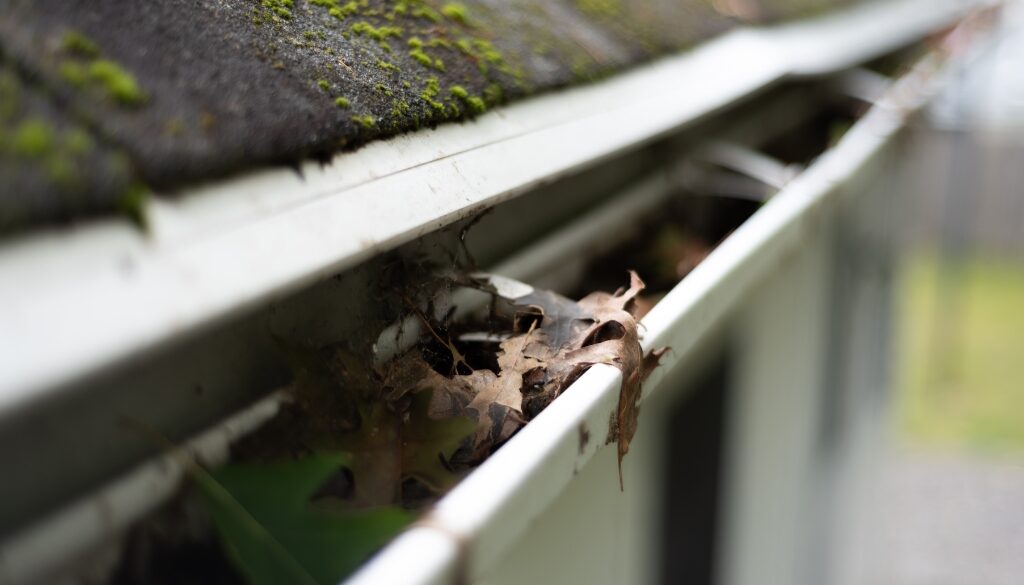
[[505, 392], [546, 343], [542, 362]]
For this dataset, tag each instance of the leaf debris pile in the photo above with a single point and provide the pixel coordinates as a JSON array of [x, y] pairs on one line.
[[547, 343], [357, 449]]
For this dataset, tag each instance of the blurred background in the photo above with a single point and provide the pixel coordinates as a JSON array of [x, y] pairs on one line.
[[952, 495]]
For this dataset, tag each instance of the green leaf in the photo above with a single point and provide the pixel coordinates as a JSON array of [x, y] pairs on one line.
[[256, 553], [275, 534]]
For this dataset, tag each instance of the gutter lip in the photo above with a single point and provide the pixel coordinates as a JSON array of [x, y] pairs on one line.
[[261, 236]]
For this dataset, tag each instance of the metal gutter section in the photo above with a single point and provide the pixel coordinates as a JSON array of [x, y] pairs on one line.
[[90, 298], [555, 262], [492, 508]]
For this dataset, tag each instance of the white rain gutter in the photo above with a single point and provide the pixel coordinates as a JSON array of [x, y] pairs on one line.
[[77, 301], [541, 460], [694, 308], [473, 526]]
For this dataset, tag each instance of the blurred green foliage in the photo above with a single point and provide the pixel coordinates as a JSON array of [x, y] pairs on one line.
[[960, 367]]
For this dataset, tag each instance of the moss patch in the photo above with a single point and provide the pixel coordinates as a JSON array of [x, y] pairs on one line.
[[365, 121], [33, 138], [457, 12], [52, 167], [78, 44], [83, 67], [118, 83]]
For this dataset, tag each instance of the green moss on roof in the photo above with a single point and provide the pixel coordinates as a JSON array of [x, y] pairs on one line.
[[282, 8], [379, 34], [427, 13], [51, 168], [421, 57], [118, 83], [457, 12], [366, 121], [82, 66], [32, 138], [185, 94], [77, 43]]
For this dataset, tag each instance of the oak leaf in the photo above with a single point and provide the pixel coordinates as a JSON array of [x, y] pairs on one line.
[[564, 338]]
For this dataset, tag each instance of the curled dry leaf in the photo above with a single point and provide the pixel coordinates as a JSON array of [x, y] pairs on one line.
[[552, 342]]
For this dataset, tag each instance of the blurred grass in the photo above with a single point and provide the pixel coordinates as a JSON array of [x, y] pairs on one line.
[[960, 371]]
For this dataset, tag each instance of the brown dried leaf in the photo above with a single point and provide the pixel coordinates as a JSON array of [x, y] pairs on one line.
[[616, 322], [563, 318], [505, 392], [564, 339]]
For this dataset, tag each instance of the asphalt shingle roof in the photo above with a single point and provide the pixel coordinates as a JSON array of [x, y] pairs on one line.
[[102, 101]]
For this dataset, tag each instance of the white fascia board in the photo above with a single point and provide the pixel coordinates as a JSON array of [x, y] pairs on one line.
[[76, 301]]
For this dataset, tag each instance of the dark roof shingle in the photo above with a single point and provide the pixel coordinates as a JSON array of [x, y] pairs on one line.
[[172, 92]]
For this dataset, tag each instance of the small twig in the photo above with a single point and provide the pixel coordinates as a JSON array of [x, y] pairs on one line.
[[457, 357]]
